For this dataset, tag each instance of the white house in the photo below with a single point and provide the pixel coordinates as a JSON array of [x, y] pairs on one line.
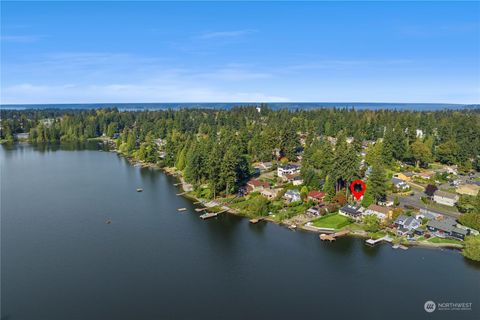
[[292, 195], [445, 198], [286, 169], [400, 185], [351, 211]]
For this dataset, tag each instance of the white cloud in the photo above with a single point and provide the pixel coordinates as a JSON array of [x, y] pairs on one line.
[[128, 92]]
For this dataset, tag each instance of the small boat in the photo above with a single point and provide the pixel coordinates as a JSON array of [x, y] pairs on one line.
[[292, 227], [139, 189], [108, 221], [181, 209]]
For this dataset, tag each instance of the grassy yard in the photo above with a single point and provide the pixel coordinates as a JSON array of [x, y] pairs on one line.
[[377, 235], [442, 240], [334, 221]]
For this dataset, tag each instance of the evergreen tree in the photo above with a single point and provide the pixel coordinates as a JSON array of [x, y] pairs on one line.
[[377, 183]]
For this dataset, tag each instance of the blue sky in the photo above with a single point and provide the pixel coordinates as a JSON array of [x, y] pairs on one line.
[[64, 52]]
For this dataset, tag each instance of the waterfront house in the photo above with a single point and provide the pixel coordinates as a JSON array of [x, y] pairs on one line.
[[288, 169], [468, 189], [399, 184], [404, 224], [270, 194], [292, 195], [255, 185], [316, 196], [351, 211], [446, 229], [445, 198], [381, 212]]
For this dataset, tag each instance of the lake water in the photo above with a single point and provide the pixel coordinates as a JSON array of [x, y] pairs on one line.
[[60, 260]]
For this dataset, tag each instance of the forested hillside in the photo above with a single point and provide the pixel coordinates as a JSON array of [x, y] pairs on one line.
[[217, 147]]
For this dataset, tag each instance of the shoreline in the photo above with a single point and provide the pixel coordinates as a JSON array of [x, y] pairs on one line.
[[171, 171], [186, 194]]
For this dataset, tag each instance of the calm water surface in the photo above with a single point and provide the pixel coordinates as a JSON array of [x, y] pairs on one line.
[[59, 260]]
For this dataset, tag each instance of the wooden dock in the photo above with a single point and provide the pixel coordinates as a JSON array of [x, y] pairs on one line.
[[181, 194], [256, 220], [200, 209], [333, 236], [374, 242]]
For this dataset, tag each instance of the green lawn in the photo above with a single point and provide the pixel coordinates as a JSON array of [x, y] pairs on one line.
[[441, 240], [334, 221]]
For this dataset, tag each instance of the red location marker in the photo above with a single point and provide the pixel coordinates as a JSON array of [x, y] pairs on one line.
[[358, 188]]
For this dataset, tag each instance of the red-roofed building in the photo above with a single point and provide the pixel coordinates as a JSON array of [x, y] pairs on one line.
[[256, 185], [316, 196]]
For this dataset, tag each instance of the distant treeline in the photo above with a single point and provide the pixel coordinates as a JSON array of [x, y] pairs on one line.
[[216, 147]]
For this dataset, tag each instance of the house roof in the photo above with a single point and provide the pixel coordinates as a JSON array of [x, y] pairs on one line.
[[292, 192], [289, 166], [353, 210], [377, 208], [398, 181], [272, 192], [447, 225], [257, 183], [410, 222], [444, 194], [401, 218], [426, 174], [316, 194]]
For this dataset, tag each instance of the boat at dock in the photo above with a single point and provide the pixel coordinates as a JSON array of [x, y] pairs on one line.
[[209, 215]]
